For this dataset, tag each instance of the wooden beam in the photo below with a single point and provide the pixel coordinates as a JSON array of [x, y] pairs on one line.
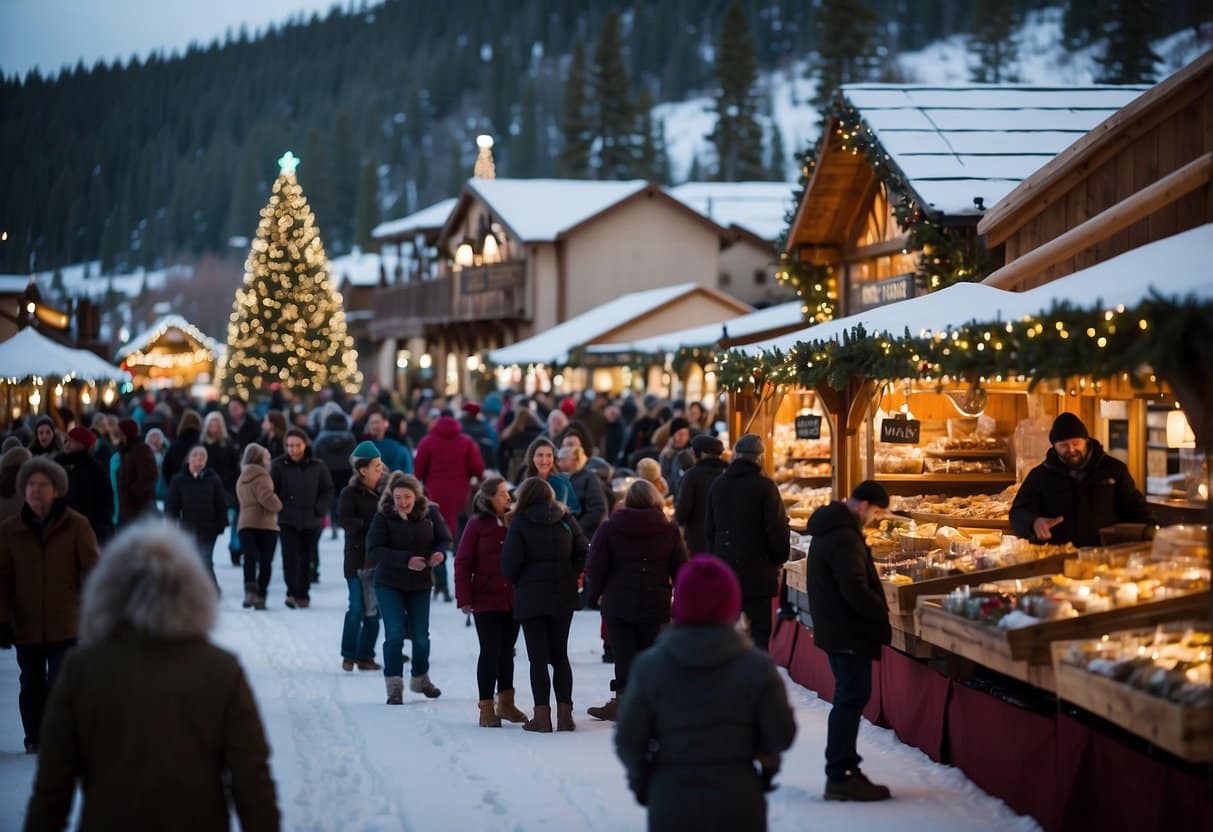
[[1106, 223]]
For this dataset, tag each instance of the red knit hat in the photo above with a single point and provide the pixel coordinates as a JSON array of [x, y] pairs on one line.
[[706, 592], [568, 406], [84, 436], [129, 428]]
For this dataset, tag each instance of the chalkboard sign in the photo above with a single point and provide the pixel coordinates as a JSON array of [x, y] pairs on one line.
[[900, 431], [808, 426]]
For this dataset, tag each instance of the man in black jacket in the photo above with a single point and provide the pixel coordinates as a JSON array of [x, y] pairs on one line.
[[305, 488], [850, 622], [746, 526], [1076, 491], [196, 499], [696, 482], [88, 483]]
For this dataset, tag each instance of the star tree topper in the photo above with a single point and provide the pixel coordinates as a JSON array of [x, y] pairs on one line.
[[288, 163]]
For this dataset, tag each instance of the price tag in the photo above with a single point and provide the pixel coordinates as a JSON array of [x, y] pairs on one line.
[[808, 426], [900, 431]]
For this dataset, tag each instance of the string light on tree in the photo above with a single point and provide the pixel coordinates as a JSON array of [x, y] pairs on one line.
[[287, 325]]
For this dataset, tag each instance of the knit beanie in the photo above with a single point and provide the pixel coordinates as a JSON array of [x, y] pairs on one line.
[[84, 436], [749, 447], [365, 450], [677, 424], [492, 404], [706, 592], [129, 428], [1067, 426], [568, 406]]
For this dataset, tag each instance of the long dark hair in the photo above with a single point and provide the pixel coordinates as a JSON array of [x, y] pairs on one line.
[[533, 491], [539, 442], [483, 503]]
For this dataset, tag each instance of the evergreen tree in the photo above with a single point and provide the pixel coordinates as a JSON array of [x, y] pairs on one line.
[[1082, 23], [777, 167], [993, 41], [737, 135], [695, 171], [846, 47], [525, 148], [1128, 58], [648, 162], [368, 207], [613, 124], [287, 325], [575, 122]]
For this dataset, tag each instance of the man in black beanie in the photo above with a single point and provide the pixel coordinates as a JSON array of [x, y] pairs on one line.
[[1078, 490], [692, 502]]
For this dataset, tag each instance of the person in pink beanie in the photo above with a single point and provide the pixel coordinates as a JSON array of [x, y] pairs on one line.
[[715, 706]]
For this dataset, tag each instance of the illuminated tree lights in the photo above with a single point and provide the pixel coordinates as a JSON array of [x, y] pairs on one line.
[[287, 326]]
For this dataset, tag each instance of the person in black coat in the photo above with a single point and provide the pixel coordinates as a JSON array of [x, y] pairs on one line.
[[333, 447], [692, 505], [305, 488], [189, 434], [850, 622], [357, 506], [407, 538], [587, 486], [1078, 490], [242, 427], [88, 484], [631, 566], [745, 524], [197, 501], [543, 555], [223, 457], [713, 704]]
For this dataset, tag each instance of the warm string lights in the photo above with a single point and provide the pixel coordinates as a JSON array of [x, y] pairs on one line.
[[1139, 343], [287, 325]]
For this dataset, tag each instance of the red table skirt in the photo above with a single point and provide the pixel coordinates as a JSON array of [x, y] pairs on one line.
[[914, 701], [810, 667], [784, 635]]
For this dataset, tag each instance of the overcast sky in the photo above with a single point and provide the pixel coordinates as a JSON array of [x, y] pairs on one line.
[[50, 34]]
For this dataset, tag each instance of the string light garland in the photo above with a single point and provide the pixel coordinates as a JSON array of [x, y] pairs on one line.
[[287, 325]]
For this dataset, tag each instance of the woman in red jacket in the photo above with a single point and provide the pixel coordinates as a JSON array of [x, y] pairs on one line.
[[481, 589], [446, 463]]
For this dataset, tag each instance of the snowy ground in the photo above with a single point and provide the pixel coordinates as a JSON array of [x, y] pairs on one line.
[[342, 760]]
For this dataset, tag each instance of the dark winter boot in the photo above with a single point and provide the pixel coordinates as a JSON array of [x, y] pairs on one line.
[[855, 786], [606, 712], [368, 664], [235, 553], [347, 665], [395, 689], [564, 717], [259, 602], [422, 684], [488, 718], [250, 598], [506, 708], [541, 723], [290, 602]]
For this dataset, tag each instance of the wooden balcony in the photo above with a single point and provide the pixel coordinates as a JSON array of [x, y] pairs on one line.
[[482, 293]]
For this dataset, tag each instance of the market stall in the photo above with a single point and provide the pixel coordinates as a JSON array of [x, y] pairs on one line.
[[39, 374], [172, 352]]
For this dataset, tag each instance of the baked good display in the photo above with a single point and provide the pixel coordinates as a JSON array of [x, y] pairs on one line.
[[1170, 661]]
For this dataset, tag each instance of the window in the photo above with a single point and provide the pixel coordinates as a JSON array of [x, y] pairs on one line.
[[879, 223]]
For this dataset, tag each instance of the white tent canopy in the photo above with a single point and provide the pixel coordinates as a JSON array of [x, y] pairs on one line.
[[785, 314], [30, 354]]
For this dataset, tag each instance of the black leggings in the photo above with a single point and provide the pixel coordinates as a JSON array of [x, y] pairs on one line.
[[299, 552], [628, 638], [547, 643], [498, 632], [258, 548]]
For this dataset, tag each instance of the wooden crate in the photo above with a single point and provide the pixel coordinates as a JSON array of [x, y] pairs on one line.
[[795, 575], [906, 638], [1026, 653], [988, 523], [903, 598], [1184, 730]]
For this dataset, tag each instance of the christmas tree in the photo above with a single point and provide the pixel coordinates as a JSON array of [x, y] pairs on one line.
[[287, 325], [737, 134]]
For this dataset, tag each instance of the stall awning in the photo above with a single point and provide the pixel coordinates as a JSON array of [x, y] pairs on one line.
[[554, 345], [30, 354], [707, 335], [160, 328]]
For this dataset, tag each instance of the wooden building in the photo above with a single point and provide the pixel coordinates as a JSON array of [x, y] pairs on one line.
[[904, 173]]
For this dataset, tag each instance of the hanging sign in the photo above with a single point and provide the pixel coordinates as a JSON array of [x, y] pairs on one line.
[[900, 431], [808, 426]]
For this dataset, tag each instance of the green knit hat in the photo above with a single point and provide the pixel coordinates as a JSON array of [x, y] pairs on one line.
[[365, 450]]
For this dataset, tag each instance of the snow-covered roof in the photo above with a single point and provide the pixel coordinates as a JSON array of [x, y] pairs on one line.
[[162, 325], [431, 218], [785, 314], [361, 268], [758, 207], [958, 143], [29, 353], [1126, 279], [538, 210], [552, 346], [13, 284]]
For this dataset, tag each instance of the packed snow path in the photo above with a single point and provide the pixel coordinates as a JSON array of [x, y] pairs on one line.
[[343, 760]]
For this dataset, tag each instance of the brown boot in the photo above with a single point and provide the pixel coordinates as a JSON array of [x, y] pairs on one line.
[[488, 719], [506, 709], [347, 665], [542, 721], [368, 664], [564, 717], [606, 712]]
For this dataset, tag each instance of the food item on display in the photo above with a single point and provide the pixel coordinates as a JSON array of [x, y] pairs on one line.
[[962, 554], [804, 449], [973, 442], [965, 466], [801, 470], [898, 459], [1187, 542], [976, 506], [1169, 661], [801, 501]]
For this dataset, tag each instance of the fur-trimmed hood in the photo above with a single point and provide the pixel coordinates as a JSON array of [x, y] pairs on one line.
[[149, 580]]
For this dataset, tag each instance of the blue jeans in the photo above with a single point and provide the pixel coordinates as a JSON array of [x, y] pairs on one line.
[[398, 610], [852, 689], [233, 539], [361, 631]]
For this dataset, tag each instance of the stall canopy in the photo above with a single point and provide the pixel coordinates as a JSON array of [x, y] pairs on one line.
[[554, 345], [30, 354], [707, 335]]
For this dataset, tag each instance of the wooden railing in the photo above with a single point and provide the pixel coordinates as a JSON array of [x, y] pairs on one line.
[[480, 293]]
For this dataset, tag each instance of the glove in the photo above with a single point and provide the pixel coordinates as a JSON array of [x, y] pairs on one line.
[[768, 767], [6, 636]]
